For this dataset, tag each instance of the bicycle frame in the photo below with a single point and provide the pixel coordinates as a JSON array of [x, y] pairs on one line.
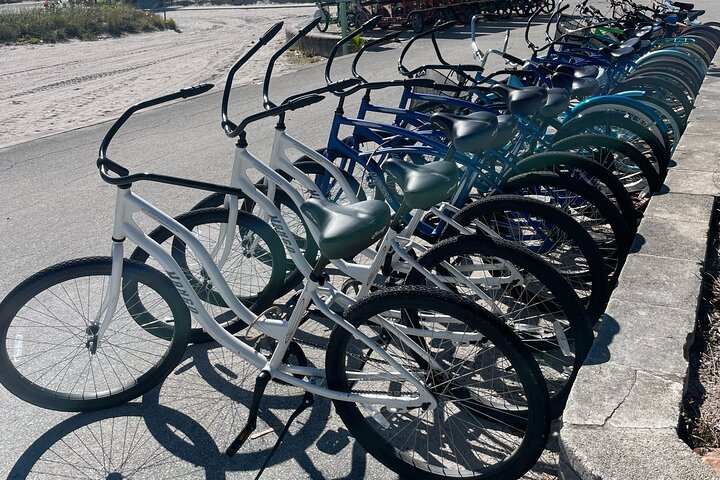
[[283, 332], [398, 242]]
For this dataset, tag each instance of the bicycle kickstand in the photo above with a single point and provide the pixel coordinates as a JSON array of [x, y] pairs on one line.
[[260, 384], [307, 401]]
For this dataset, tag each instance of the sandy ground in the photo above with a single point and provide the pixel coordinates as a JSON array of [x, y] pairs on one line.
[[56, 87]]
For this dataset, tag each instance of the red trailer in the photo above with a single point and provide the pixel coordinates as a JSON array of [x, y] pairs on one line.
[[419, 14]]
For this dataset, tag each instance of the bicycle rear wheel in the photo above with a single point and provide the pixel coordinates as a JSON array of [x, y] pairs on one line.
[[46, 336], [522, 291], [548, 232], [492, 418], [254, 270]]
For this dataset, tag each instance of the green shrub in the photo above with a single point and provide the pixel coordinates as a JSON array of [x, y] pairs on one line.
[[84, 22]]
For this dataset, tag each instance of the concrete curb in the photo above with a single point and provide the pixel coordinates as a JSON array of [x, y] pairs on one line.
[[315, 42], [622, 415]]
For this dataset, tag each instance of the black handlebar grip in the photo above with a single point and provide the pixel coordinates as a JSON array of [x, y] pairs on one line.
[[306, 29], [419, 82], [303, 102], [370, 24], [513, 59], [563, 8], [343, 84], [195, 90], [272, 31]]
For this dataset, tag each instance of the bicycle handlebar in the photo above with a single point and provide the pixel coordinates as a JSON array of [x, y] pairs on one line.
[[232, 130], [225, 122], [382, 40], [107, 166], [404, 82], [370, 24], [183, 93], [271, 64], [409, 73], [557, 14]]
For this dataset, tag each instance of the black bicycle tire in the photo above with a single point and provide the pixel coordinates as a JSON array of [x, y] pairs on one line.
[[551, 161], [648, 170], [586, 124], [614, 253], [565, 297], [707, 46], [538, 419], [708, 32], [642, 81], [83, 267], [600, 288], [673, 65], [293, 276]]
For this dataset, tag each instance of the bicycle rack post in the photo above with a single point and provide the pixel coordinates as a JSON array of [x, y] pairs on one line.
[[342, 11]]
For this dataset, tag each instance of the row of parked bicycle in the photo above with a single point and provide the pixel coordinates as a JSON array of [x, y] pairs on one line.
[[461, 248]]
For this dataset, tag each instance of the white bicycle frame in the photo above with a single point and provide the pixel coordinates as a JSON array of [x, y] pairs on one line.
[[283, 332], [365, 274]]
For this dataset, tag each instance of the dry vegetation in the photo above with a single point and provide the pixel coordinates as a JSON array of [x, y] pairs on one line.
[[701, 415], [84, 22]]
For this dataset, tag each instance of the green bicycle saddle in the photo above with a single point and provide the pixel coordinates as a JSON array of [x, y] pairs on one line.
[[346, 230], [423, 186]]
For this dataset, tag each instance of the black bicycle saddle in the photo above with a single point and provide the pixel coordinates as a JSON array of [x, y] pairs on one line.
[[558, 101], [471, 134], [578, 71], [506, 129], [578, 87], [346, 230], [521, 101], [614, 54]]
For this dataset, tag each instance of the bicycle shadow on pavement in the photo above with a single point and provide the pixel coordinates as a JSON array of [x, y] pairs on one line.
[[181, 429], [606, 329]]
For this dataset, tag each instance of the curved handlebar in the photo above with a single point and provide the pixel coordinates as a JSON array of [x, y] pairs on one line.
[[334, 87], [529, 24], [271, 64], [385, 39], [404, 82], [184, 93], [226, 124], [477, 53], [555, 14], [232, 130], [409, 73], [369, 25]]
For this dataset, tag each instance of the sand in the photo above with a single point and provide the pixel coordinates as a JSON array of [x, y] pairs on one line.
[[50, 88]]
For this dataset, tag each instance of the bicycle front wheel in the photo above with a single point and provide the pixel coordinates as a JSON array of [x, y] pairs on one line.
[[492, 415], [47, 327]]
